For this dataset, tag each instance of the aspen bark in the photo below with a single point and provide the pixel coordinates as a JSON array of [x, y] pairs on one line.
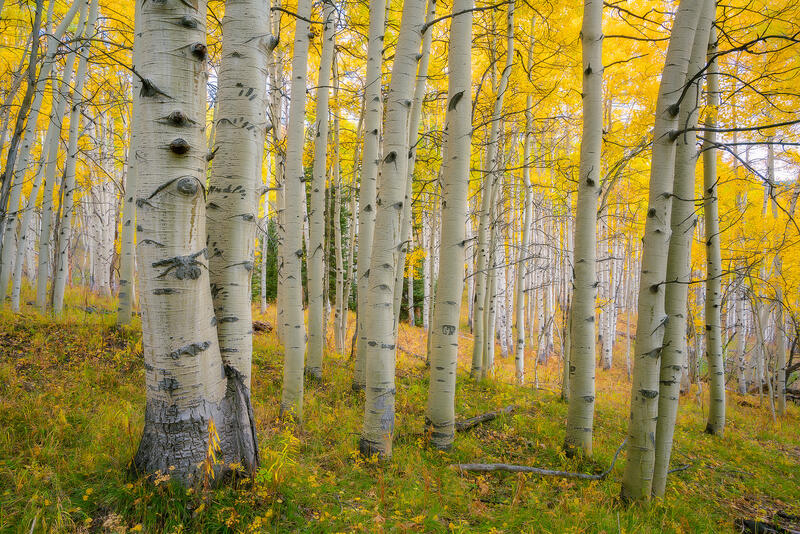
[[713, 300], [62, 267], [294, 200], [369, 178], [483, 269], [413, 138], [52, 140], [316, 252], [522, 266], [11, 187], [455, 189], [20, 125], [12, 250], [127, 259], [191, 394], [580, 415], [381, 328], [780, 345], [340, 312], [652, 318], [235, 185], [682, 228]]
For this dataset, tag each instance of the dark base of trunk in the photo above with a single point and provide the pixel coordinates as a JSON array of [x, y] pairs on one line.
[[368, 449], [355, 386], [712, 430], [314, 374], [176, 442], [441, 437]]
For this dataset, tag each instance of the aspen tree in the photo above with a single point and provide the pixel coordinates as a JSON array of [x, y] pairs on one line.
[[235, 184], [294, 200], [52, 140], [381, 328], [638, 477], [340, 322], [62, 267], [20, 126], [127, 254], [316, 251], [11, 251], [483, 267], [27, 216], [413, 138], [191, 395], [522, 265], [369, 179], [780, 344], [682, 228], [713, 300], [580, 415]]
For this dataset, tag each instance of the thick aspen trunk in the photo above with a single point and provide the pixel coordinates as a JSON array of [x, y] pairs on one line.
[[192, 397], [455, 188], [315, 253], [62, 269], [369, 178], [294, 200], [652, 318], [682, 228], [235, 185], [381, 328], [580, 415]]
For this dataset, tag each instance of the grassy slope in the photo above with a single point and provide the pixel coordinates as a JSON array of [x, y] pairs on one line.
[[71, 405]]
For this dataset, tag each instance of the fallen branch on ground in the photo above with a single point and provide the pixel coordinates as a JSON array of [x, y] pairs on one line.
[[483, 468], [261, 326], [415, 355], [472, 422], [677, 469]]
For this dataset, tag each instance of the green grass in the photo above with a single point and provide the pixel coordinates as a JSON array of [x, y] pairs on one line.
[[71, 406]]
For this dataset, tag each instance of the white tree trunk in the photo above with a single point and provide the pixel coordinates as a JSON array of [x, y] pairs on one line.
[[316, 252], [480, 336], [682, 227], [381, 328], [52, 141], [62, 267], [580, 415], [188, 387], [294, 201], [638, 477], [127, 256], [17, 177], [455, 188], [413, 138], [369, 178], [713, 300], [235, 184]]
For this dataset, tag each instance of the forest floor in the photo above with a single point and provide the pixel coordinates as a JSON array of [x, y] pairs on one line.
[[72, 402]]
